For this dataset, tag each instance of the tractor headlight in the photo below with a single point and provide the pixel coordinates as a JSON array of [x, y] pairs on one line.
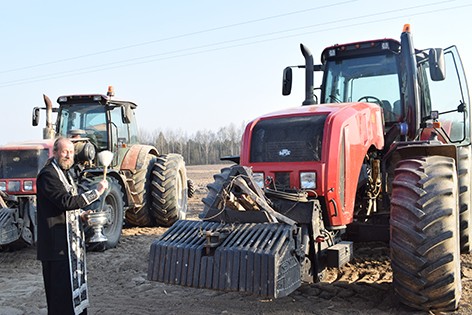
[[3, 186], [28, 185], [308, 180], [14, 185], [259, 179]]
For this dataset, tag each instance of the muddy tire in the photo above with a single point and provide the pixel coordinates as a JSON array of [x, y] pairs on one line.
[[424, 237], [169, 189], [464, 162], [191, 188], [142, 183]]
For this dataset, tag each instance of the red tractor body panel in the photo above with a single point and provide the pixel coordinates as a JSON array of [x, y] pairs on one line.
[[135, 155], [350, 130], [21, 162]]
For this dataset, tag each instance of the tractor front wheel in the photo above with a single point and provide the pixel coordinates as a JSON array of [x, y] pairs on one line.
[[111, 202], [191, 188], [424, 234], [213, 203], [113, 207]]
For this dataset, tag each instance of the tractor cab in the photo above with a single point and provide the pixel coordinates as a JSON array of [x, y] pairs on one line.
[[420, 97], [107, 123]]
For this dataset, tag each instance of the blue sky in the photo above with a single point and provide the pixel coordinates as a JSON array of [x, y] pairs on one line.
[[193, 65]]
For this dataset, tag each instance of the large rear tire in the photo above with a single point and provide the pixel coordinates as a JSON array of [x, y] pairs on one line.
[[464, 162], [169, 189], [424, 238], [142, 183]]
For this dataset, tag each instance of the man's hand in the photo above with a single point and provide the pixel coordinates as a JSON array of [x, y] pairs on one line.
[[102, 186], [84, 215]]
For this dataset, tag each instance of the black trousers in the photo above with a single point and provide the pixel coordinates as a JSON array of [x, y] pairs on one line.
[[56, 276]]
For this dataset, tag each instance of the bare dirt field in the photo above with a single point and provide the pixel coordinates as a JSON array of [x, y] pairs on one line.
[[118, 284]]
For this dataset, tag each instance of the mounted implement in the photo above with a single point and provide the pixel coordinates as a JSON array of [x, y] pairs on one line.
[[385, 155]]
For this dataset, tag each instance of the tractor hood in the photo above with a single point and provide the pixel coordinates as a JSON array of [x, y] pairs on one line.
[[286, 145], [366, 118], [20, 163]]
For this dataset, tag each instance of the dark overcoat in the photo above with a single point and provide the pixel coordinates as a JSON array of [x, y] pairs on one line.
[[53, 200]]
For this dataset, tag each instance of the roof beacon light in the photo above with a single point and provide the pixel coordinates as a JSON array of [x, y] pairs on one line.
[[111, 91], [406, 28]]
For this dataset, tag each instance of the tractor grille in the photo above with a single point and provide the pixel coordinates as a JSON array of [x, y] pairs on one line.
[[22, 163], [296, 151], [282, 180], [251, 257], [289, 139]]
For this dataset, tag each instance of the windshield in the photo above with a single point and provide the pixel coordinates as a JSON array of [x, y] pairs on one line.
[[372, 79], [88, 117]]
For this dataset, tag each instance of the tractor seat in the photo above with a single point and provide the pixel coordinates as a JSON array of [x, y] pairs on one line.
[[397, 110], [388, 111]]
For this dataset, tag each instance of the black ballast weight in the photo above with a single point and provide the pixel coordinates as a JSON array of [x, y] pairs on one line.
[[258, 258]]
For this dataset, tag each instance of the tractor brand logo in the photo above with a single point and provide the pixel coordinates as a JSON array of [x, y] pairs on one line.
[[284, 152]]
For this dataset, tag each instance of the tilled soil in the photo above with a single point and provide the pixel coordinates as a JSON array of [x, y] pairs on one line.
[[118, 284]]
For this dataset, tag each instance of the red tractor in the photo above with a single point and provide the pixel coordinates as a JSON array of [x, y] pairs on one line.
[[385, 155], [146, 188]]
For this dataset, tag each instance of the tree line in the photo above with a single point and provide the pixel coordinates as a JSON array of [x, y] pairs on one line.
[[202, 147]]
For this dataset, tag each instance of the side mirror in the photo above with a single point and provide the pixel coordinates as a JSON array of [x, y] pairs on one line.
[[437, 67], [126, 114], [36, 111], [287, 81], [434, 115]]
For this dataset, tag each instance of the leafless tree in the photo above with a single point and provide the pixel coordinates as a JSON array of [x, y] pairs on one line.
[[203, 147]]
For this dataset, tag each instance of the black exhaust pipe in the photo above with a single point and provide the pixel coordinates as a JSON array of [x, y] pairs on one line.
[[309, 76]]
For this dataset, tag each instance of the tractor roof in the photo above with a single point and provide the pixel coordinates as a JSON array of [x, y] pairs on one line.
[[92, 98], [360, 48]]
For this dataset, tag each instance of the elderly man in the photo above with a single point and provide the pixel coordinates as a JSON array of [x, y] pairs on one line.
[[60, 245]]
